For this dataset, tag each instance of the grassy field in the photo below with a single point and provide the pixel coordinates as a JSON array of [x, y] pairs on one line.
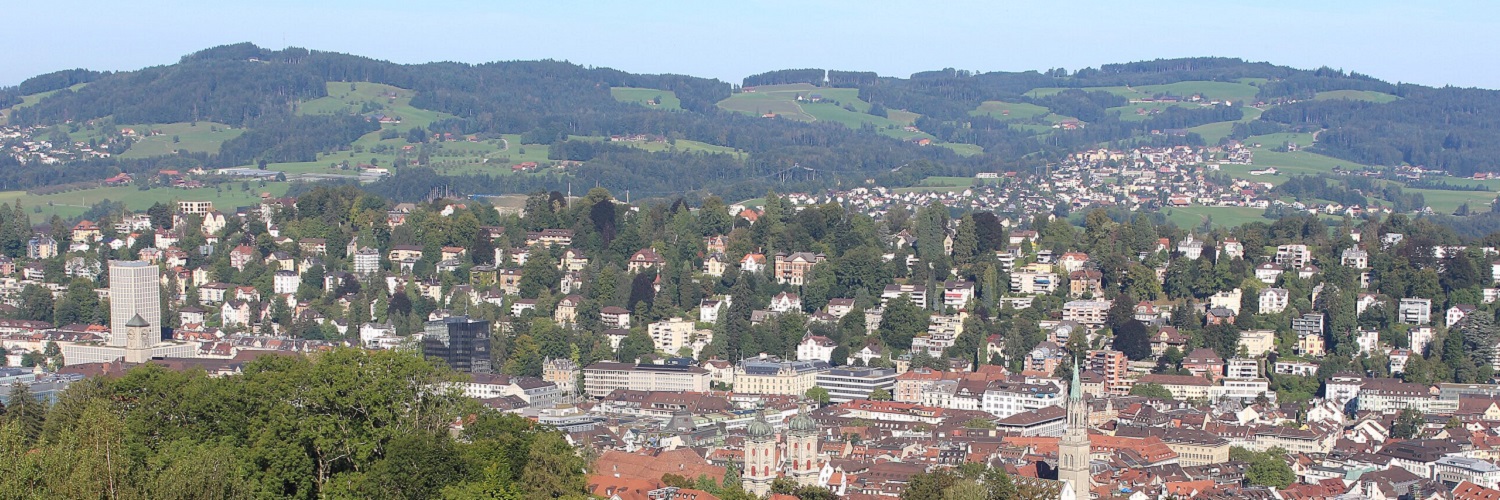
[[1445, 202], [1214, 132], [1130, 113], [355, 97], [1209, 90], [194, 137], [961, 149], [680, 145], [31, 100], [75, 203], [642, 96], [782, 100], [940, 181], [930, 189], [1355, 95], [1191, 217], [1001, 110]]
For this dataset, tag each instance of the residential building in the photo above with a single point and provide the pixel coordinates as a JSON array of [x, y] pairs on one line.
[[671, 335], [1091, 313], [1086, 282], [957, 294], [793, 269], [1268, 273], [645, 259], [1004, 398], [1293, 256], [1457, 313], [1114, 367], [366, 261], [1416, 311], [1274, 300], [1355, 257], [286, 282], [1257, 343], [195, 207], [614, 317], [816, 348], [917, 294]]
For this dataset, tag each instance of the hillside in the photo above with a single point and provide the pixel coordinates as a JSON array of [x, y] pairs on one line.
[[521, 126]]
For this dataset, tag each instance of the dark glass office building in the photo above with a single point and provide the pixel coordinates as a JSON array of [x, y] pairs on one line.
[[460, 341]]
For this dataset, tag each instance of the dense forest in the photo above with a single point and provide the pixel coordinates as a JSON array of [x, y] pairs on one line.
[[349, 424], [260, 89]]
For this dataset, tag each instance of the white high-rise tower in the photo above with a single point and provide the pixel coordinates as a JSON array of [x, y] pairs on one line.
[[134, 289]]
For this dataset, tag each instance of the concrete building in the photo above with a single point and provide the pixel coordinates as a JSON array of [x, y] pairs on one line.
[[1004, 398], [286, 282], [134, 288], [850, 383], [1416, 311], [1274, 300], [1257, 342], [1086, 312], [599, 379], [1451, 470], [671, 335], [366, 261]]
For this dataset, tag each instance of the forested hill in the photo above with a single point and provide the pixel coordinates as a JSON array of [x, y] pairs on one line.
[[792, 130]]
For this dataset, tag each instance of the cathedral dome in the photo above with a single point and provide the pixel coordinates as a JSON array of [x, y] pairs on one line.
[[759, 428], [802, 422]]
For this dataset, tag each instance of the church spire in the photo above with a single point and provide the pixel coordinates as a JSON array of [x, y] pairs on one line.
[[1075, 392]]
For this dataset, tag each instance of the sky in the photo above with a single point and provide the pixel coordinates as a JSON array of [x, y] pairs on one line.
[[1431, 43]]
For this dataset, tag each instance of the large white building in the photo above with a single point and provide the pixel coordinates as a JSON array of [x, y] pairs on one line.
[[602, 378], [671, 335], [773, 376], [1274, 300], [1086, 312], [816, 348], [850, 383], [286, 282], [134, 288], [1005, 398], [1416, 311]]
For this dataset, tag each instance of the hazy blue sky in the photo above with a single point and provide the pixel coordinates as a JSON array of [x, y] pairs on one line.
[[1451, 42]]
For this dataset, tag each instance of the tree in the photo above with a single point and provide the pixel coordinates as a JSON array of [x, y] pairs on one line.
[[1132, 339], [24, 411], [1150, 390], [1408, 424], [880, 395], [1270, 468], [635, 346], [818, 394], [901, 322], [36, 304], [929, 485]]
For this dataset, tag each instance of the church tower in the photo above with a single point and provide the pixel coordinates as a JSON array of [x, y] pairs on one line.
[[760, 457], [802, 448], [1073, 450], [137, 342]]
